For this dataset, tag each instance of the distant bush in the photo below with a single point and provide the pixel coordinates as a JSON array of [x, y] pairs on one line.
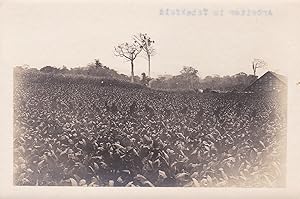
[[49, 69]]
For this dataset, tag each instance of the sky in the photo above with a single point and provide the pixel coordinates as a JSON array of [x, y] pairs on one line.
[[74, 33]]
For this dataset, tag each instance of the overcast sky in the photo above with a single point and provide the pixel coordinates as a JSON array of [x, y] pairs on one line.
[[74, 33]]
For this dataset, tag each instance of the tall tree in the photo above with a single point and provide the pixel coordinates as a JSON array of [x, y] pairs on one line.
[[147, 46], [189, 77], [129, 52], [188, 70], [258, 63]]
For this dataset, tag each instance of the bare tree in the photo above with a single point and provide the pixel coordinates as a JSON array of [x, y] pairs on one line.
[[128, 52], [258, 63], [147, 46]]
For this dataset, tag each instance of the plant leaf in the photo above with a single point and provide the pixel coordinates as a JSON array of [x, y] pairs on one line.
[[196, 183], [73, 182]]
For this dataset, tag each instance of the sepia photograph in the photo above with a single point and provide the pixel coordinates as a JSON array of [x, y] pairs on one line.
[[154, 94]]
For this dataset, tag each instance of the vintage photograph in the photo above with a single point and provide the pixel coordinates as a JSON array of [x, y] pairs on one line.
[[148, 94]]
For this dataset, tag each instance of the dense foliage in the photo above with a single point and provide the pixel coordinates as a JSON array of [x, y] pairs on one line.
[[77, 131], [189, 79], [95, 69]]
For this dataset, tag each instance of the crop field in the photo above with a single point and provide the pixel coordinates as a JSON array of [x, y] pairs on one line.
[[77, 132]]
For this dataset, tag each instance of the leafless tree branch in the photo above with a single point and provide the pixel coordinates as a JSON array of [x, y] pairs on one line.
[[258, 63], [128, 52], [147, 46]]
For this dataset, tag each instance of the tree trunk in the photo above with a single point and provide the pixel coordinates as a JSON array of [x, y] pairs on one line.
[[132, 73], [148, 65]]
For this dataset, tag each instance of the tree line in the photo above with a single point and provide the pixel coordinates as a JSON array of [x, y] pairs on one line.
[[189, 79], [142, 44]]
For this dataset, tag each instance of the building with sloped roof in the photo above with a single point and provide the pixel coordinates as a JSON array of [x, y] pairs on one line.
[[270, 81]]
